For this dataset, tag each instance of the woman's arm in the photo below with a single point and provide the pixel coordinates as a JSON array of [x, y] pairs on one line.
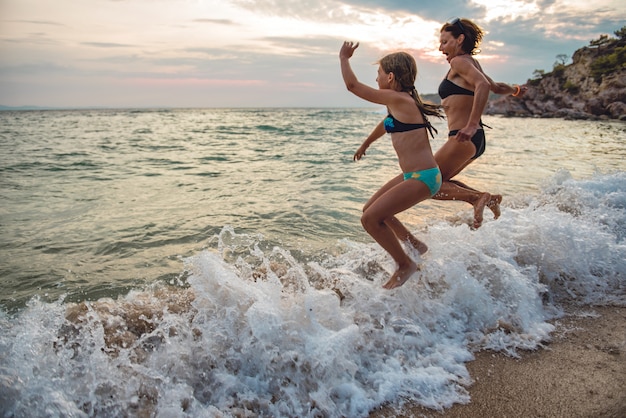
[[474, 77], [504, 88]]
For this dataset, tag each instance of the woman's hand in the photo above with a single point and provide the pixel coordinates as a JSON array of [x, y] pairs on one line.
[[347, 49], [522, 90], [466, 134]]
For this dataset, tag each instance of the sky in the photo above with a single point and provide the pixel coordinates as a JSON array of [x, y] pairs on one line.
[[265, 53]]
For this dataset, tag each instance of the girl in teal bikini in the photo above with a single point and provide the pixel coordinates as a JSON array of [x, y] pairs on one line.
[[408, 125]]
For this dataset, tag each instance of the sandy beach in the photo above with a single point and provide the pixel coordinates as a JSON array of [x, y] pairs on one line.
[[580, 373]]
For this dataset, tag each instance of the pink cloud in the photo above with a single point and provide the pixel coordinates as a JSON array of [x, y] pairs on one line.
[[193, 82]]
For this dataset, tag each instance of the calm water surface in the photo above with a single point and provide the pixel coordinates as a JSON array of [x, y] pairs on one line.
[[98, 201]]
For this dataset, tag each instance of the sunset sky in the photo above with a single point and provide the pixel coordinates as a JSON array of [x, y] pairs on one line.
[[255, 53]]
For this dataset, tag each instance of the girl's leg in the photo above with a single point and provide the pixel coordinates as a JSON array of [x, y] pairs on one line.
[[378, 215], [400, 231], [384, 189], [403, 234]]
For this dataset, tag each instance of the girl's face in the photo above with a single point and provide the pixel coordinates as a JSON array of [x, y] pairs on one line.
[[383, 79], [449, 45]]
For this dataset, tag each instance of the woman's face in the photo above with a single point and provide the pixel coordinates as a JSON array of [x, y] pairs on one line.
[[449, 45]]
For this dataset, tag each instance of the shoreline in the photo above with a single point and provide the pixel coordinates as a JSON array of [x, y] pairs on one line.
[[580, 373]]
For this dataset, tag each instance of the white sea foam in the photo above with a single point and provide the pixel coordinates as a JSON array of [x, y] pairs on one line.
[[262, 332]]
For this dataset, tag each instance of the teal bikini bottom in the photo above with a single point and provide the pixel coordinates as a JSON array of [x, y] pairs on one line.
[[431, 177]]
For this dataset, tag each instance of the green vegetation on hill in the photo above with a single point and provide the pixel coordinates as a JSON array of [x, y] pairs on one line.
[[592, 86], [607, 54], [614, 57]]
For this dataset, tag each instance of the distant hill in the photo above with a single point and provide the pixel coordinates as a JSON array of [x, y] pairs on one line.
[[433, 98], [593, 86]]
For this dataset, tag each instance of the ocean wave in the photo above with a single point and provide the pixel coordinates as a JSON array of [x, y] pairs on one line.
[[253, 329]]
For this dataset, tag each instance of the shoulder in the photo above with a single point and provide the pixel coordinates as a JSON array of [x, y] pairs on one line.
[[463, 63], [477, 64]]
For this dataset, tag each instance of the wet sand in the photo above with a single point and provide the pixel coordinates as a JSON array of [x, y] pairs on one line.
[[580, 373]]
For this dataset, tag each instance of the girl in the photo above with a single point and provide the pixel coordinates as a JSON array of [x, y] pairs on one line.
[[409, 127]]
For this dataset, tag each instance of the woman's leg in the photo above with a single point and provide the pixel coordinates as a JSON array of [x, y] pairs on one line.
[[451, 191], [494, 202], [379, 213], [452, 158]]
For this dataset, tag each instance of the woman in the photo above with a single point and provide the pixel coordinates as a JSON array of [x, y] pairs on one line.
[[464, 93], [408, 125]]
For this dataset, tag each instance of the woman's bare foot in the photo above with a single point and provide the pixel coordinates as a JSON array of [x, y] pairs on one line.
[[401, 276], [479, 207], [494, 204]]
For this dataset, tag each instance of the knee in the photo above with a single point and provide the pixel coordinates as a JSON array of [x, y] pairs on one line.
[[364, 220], [369, 221]]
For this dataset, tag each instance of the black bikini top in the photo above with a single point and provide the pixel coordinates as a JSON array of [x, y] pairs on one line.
[[394, 125], [448, 88]]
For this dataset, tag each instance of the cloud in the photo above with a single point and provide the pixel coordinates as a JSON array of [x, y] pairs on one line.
[[555, 28], [35, 22], [40, 69], [440, 10], [318, 10], [216, 21], [107, 45], [265, 52]]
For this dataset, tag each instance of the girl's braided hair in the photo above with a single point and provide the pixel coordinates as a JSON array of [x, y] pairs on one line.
[[404, 67]]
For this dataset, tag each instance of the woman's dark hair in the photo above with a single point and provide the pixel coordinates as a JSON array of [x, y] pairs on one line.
[[472, 32]]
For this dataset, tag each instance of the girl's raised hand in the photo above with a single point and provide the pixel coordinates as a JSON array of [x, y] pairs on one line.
[[347, 49]]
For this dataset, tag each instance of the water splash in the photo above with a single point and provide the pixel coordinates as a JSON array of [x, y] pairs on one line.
[[260, 330]]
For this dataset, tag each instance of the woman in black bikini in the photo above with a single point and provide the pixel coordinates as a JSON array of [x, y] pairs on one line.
[[464, 92]]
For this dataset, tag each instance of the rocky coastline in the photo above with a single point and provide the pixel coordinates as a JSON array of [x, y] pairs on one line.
[[592, 87]]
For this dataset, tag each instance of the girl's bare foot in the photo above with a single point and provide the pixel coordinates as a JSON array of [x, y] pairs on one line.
[[494, 204], [479, 207], [401, 276]]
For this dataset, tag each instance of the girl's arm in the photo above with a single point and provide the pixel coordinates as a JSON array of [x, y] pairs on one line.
[[359, 89], [378, 131], [363, 91]]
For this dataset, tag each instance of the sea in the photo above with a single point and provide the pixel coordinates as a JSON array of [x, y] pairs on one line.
[[211, 262]]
